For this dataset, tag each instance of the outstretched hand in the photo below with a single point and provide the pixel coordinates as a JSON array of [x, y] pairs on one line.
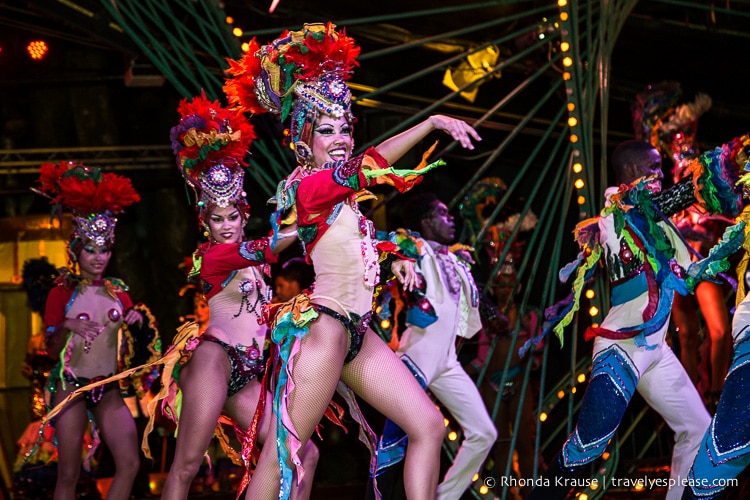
[[459, 130]]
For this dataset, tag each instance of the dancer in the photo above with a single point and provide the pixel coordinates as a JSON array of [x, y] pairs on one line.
[[671, 127], [725, 450], [83, 316], [646, 262], [428, 345], [220, 370], [324, 339]]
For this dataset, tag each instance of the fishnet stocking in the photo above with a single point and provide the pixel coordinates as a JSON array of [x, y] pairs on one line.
[[203, 382], [316, 374], [379, 377]]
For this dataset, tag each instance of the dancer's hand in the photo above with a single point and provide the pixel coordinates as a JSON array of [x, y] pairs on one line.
[[458, 129], [133, 316], [406, 273], [85, 328]]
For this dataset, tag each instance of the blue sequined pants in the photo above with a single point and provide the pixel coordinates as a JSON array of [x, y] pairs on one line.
[[619, 369], [725, 450]]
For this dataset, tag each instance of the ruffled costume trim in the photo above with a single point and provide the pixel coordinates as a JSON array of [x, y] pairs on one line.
[[290, 323], [636, 212]]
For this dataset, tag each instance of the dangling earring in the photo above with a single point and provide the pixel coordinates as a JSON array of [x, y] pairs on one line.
[[304, 155]]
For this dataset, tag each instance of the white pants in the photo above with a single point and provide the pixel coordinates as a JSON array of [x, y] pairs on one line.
[[666, 387], [459, 394]]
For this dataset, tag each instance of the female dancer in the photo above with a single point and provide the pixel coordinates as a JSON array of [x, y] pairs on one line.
[[83, 316], [221, 369], [324, 339]]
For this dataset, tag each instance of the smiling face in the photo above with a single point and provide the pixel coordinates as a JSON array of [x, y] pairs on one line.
[[225, 224], [93, 260], [331, 140]]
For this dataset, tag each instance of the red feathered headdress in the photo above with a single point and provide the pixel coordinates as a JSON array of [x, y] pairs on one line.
[[93, 197], [301, 72], [266, 78]]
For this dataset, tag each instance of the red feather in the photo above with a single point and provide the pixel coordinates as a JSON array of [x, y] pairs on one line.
[[86, 190]]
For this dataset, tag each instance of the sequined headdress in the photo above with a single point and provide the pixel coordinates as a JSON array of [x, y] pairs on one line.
[[210, 143], [302, 74], [94, 198]]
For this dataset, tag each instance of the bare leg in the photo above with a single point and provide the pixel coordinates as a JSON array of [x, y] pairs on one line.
[[713, 306], [316, 373], [381, 379], [70, 426], [203, 382], [119, 432], [686, 323]]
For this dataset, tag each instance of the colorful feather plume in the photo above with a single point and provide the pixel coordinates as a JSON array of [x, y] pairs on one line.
[[209, 134], [264, 78]]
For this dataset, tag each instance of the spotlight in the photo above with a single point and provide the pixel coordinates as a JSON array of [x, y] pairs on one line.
[[37, 49], [472, 69]]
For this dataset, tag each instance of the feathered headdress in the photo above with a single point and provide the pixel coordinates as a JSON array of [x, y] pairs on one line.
[[301, 72], [660, 118], [210, 143], [93, 197]]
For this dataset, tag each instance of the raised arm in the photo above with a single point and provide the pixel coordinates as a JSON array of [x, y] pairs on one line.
[[397, 146]]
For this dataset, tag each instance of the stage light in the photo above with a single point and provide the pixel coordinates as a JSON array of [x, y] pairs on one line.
[[564, 46], [594, 485], [593, 311], [237, 32], [542, 417], [562, 3], [581, 200], [230, 20], [572, 121], [560, 394], [476, 476], [590, 294], [483, 490], [472, 69], [581, 378], [577, 168], [579, 183], [566, 76], [571, 106], [567, 62], [446, 422], [452, 436], [573, 138], [37, 49], [563, 16]]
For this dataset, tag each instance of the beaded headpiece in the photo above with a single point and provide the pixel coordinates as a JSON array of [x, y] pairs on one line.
[[210, 143], [302, 74], [93, 197]]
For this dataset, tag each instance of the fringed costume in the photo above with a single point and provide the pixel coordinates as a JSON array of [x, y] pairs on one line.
[[647, 263]]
